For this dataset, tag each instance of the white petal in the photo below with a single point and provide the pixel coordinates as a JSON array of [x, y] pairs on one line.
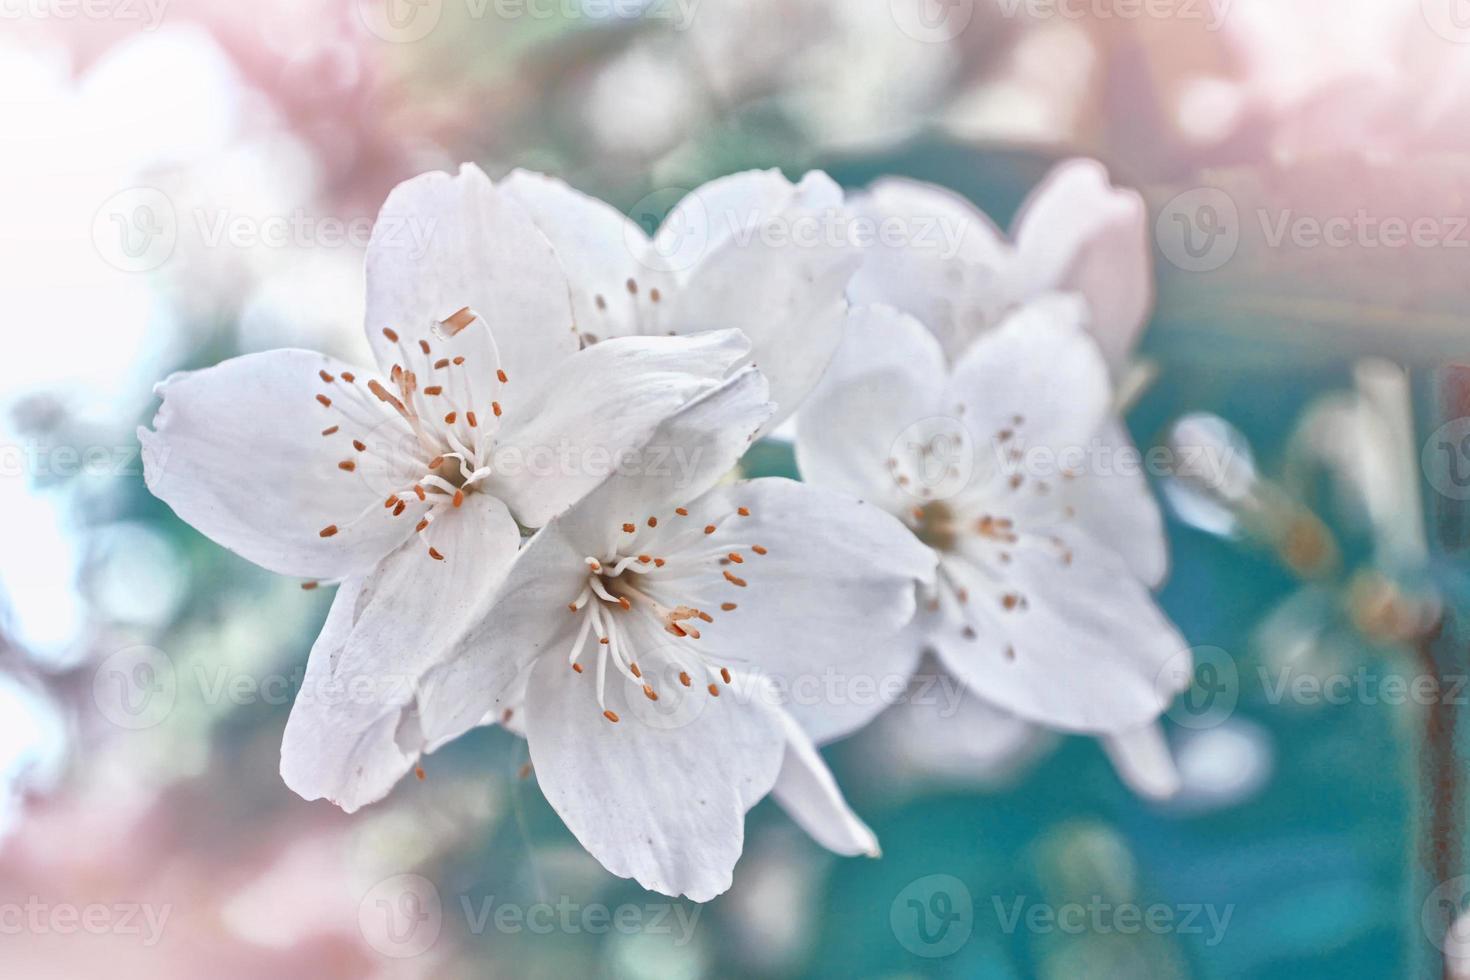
[[443, 243], [1040, 365], [849, 695], [704, 439], [664, 805], [601, 251], [950, 268], [1084, 652], [806, 790], [731, 207], [599, 412], [888, 375], [778, 270], [483, 674], [1144, 762], [237, 451], [835, 586], [1078, 232], [354, 730], [1114, 505]]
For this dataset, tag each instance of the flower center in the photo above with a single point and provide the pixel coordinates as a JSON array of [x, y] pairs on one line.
[[424, 437], [636, 604]]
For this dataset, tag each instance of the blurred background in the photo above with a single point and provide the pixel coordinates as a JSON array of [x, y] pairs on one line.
[[185, 180]]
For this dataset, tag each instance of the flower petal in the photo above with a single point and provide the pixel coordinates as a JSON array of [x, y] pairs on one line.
[[1116, 507], [1039, 366], [601, 250], [444, 243], [731, 208], [1078, 645], [806, 790], [1144, 762], [599, 413], [951, 268], [354, 730], [237, 450], [1078, 232], [661, 803], [835, 584], [887, 376]]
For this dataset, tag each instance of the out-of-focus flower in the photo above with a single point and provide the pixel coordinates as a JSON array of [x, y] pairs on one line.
[[751, 251], [1076, 232], [1042, 605], [656, 582], [443, 435], [945, 445]]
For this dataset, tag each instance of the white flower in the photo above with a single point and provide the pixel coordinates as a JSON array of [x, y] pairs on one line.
[[750, 251], [1075, 233], [1009, 465], [632, 639], [408, 483]]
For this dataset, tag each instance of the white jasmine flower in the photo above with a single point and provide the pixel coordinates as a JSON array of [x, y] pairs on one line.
[[409, 484], [1075, 233], [1041, 606], [633, 637], [750, 251]]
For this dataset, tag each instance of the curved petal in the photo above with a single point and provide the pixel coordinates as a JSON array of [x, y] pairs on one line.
[[705, 439], [664, 805], [1144, 762], [806, 790], [601, 250], [599, 413], [888, 375], [355, 729], [730, 208], [445, 243], [1038, 377], [936, 257], [1078, 645], [835, 584], [1078, 232], [1113, 504], [237, 450], [482, 674]]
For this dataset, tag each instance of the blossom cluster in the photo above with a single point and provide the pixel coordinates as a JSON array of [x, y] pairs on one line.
[[645, 627]]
